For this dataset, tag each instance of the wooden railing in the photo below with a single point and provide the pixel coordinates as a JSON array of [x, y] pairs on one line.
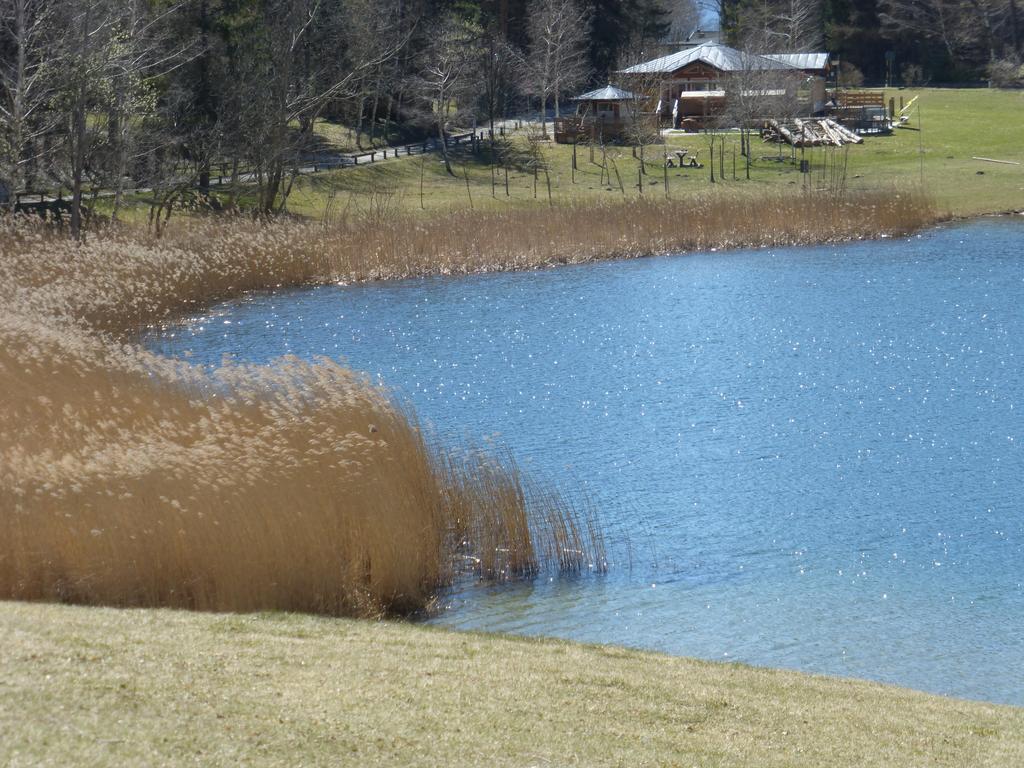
[[56, 202], [860, 99]]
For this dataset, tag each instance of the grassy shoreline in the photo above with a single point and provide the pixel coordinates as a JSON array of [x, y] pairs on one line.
[[957, 125], [96, 686]]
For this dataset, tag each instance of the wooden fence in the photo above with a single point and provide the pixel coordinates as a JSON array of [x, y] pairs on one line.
[[55, 203]]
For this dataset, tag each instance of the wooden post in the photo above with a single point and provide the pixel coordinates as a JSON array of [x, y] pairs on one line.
[[640, 181], [664, 166], [465, 175], [746, 160], [711, 161], [920, 144], [618, 177], [506, 182]]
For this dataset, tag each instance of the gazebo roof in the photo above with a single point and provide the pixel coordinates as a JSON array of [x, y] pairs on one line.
[[608, 93]]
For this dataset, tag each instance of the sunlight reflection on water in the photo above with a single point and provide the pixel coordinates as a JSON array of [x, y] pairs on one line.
[[813, 453]]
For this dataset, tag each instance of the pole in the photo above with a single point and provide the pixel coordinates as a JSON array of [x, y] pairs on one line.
[[920, 145]]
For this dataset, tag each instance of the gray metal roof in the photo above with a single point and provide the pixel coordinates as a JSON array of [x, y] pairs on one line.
[[719, 56], [608, 93], [801, 60]]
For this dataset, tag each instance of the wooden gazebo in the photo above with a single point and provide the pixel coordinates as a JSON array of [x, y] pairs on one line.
[[604, 114]]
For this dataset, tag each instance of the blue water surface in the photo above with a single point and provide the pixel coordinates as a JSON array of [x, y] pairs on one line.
[[803, 457]]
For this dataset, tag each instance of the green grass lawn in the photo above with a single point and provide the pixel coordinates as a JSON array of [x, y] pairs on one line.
[[99, 686], [956, 125]]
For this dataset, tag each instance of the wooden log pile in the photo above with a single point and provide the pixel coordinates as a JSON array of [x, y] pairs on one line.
[[812, 133]]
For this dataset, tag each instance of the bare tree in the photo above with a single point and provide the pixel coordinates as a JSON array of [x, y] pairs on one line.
[[501, 61], [973, 30], [446, 81], [789, 26], [758, 89], [371, 29], [25, 87], [85, 53], [938, 20], [281, 83], [139, 52], [556, 57], [683, 18], [796, 27], [642, 113]]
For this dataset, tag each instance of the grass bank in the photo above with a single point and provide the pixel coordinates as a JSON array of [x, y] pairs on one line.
[[957, 125], [88, 686]]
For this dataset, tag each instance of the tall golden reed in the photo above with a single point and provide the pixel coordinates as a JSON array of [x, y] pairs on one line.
[[131, 479]]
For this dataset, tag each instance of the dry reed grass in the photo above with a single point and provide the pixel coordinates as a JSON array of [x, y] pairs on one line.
[[386, 246], [130, 479]]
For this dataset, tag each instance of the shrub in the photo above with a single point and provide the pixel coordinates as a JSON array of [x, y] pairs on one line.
[[850, 75], [1006, 73], [912, 74]]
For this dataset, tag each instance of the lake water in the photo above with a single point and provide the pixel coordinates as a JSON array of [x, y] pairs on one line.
[[814, 454]]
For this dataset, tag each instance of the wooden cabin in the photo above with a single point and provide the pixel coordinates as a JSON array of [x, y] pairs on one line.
[[690, 85]]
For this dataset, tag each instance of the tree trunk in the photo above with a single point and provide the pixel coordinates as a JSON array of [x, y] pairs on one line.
[[444, 144], [78, 133], [747, 163], [204, 178], [373, 112], [18, 105], [359, 120], [1014, 28]]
